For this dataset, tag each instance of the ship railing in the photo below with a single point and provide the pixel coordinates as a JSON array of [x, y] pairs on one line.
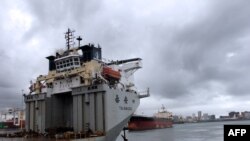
[[144, 94]]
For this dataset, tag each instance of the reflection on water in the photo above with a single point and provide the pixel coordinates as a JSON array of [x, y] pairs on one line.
[[212, 131]]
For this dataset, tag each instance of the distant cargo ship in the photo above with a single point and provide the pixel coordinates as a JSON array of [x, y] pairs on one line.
[[162, 119], [13, 118]]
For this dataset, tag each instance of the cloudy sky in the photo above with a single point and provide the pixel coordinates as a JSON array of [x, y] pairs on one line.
[[196, 54]]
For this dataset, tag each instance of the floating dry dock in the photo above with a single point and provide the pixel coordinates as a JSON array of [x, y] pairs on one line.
[[82, 95]]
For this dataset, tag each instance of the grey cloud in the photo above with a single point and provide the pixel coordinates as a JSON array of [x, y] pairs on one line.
[[181, 59], [51, 15], [10, 98], [199, 49]]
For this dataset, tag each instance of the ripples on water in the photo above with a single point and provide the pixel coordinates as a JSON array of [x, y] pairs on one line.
[[211, 131]]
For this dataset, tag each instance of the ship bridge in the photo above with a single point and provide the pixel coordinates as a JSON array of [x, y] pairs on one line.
[[67, 63]]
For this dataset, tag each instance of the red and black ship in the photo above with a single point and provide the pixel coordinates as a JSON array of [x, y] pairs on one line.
[[162, 119]]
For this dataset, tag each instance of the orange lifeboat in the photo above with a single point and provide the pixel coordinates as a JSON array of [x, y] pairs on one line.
[[109, 73]]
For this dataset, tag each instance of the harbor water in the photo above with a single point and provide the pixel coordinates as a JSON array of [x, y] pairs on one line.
[[207, 131]]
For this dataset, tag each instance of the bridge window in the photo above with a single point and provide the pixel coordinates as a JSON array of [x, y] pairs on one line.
[[67, 64]]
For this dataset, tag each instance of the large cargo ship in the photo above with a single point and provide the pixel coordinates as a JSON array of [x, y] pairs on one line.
[[162, 119], [83, 97]]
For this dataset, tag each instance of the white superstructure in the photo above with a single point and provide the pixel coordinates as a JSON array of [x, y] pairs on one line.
[[163, 114]]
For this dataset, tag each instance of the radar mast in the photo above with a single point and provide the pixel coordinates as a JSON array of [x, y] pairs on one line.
[[69, 36]]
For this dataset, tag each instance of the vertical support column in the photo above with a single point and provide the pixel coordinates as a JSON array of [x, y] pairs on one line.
[[99, 112], [83, 113], [79, 112], [104, 111], [86, 112], [31, 115], [48, 111], [36, 116], [27, 116], [43, 117], [92, 111], [75, 114]]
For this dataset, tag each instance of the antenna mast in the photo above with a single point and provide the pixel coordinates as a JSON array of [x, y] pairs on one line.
[[163, 108], [69, 36]]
